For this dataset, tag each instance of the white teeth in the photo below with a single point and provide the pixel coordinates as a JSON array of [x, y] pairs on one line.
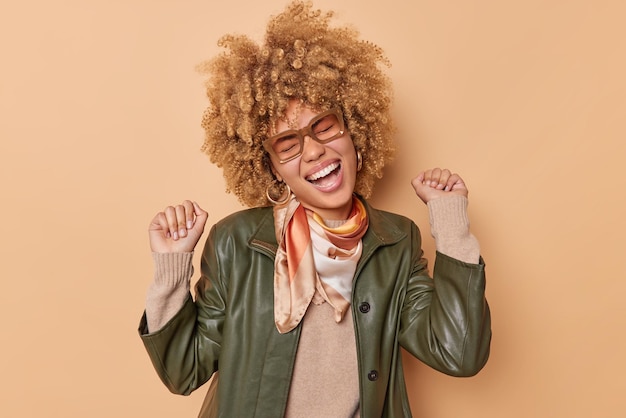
[[323, 173]]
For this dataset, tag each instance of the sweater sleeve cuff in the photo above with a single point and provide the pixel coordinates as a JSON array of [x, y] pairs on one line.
[[172, 269], [169, 289], [449, 225]]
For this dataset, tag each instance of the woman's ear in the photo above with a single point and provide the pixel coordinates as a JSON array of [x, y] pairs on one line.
[[275, 172]]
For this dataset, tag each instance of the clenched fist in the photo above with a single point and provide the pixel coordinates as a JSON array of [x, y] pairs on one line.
[[178, 228], [436, 182]]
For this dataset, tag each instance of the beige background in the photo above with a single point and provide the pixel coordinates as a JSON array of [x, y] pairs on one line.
[[99, 126]]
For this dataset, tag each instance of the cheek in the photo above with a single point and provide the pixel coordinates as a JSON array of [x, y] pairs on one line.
[[349, 153], [345, 147], [283, 172]]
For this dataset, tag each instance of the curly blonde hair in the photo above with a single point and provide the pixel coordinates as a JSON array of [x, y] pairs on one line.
[[302, 57]]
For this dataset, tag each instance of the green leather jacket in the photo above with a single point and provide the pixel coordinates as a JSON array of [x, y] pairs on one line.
[[444, 322]]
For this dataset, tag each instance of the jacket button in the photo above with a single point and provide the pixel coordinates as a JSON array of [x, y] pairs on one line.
[[364, 307], [373, 375]]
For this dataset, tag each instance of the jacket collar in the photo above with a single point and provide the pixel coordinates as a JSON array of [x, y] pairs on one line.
[[380, 232]]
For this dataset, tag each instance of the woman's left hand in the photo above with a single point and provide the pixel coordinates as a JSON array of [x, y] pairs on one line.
[[436, 182]]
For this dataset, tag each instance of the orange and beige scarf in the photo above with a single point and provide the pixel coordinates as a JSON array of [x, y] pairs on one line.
[[314, 262]]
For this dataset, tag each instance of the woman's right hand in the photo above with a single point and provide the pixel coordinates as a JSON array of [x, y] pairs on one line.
[[177, 229]]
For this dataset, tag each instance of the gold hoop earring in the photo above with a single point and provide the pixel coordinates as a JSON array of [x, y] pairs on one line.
[[284, 195], [359, 160]]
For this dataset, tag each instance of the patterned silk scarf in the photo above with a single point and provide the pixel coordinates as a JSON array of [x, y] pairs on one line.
[[314, 257]]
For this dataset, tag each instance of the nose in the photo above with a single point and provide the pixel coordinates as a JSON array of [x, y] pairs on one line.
[[311, 149]]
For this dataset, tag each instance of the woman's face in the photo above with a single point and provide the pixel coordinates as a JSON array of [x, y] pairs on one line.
[[324, 176]]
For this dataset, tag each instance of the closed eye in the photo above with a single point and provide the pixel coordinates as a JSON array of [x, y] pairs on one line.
[[285, 144], [325, 125]]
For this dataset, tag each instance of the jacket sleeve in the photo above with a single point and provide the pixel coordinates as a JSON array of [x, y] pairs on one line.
[[185, 351], [445, 321]]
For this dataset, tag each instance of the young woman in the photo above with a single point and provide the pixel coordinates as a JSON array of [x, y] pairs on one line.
[[305, 299]]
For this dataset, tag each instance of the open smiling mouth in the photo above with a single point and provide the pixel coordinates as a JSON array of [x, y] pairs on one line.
[[325, 177]]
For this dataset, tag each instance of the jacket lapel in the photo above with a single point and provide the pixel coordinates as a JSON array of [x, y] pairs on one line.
[[381, 232], [263, 239]]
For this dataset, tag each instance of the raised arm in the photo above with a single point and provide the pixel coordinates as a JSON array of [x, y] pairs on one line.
[[446, 321], [174, 233]]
